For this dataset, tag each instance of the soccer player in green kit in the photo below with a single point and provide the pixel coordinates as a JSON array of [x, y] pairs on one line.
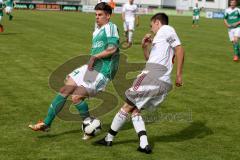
[[89, 79], [1, 15], [232, 21], [9, 7], [196, 15]]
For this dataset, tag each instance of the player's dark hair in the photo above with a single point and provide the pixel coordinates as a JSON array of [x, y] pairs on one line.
[[162, 17], [103, 6]]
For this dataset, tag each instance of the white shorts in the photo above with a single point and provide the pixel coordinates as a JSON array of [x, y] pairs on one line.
[[92, 81], [8, 9], [195, 17], [147, 92], [235, 32], [128, 25]]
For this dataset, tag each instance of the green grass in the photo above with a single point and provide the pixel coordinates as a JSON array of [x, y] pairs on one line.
[[199, 121]]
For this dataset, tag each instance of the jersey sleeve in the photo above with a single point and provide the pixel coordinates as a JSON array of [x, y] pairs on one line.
[[112, 34], [124, 8], [136, 9], [172, 38]]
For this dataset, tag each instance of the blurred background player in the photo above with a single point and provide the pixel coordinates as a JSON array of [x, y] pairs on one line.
[[1, 15], [9, 7], [232, 21], [106, 1], [196, 16], [91, 78], [111, 3], [129, 16], [151, 86]]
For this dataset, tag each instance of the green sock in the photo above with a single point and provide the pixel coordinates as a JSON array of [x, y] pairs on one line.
[[197, 22], [10, 17], [193, 22], [55, 107], [82, 107], [236, 48]]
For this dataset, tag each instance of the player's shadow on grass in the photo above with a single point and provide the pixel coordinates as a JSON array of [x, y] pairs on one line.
[[76, 131], [6, 34], [194, 130]]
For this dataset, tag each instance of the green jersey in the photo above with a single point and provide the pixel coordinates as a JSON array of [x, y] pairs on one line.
[[1, 9], [9, 3], [196, 11], [102, 38], [232, 15]]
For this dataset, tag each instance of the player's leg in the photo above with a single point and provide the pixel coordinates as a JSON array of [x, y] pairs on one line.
[[193, 21], [140, 129], [78, 97], [231, 38], [132, 102], [125, 27], [118, 121], [197, 21], [1, 26], [236, 44], [79, 94], [130, 33], [56, 106], [9, 12]]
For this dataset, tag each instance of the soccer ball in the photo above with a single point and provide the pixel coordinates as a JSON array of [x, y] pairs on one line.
[[91, 126]]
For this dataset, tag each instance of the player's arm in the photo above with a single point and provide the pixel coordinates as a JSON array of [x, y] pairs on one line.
[[123, 16], [123, 13], [179, 52], [111, 49], [146, 41], [230, 25], [108, 52], [226, 23], [225, 20]]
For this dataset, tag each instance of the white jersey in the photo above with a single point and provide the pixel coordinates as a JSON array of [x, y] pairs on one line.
[[130, 11], [99, 1], [162, 51]]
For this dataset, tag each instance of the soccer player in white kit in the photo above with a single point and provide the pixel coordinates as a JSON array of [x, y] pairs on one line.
[[129, 16], [151, 86]]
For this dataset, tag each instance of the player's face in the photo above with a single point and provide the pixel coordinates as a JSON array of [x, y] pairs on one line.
[[155, 26], [233, 3], [102, 18], [131, 1]]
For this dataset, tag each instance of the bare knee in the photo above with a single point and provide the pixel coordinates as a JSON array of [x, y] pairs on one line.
[[127, 108], [135, 112], [235, 40], [67, 90], [77, 99]]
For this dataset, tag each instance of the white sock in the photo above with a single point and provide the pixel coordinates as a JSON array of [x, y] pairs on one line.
[[130, 35], [118, 121], [140, 129]]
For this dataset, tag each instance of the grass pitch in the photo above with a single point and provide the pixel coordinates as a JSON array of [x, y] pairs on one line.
[[199, 121]]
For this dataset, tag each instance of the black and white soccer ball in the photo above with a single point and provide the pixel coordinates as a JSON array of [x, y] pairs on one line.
[[91, 126]]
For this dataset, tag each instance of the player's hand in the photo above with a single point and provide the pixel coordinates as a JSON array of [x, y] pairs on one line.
[[91, 62], [179, 82], [146, 40], [229, 26]]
